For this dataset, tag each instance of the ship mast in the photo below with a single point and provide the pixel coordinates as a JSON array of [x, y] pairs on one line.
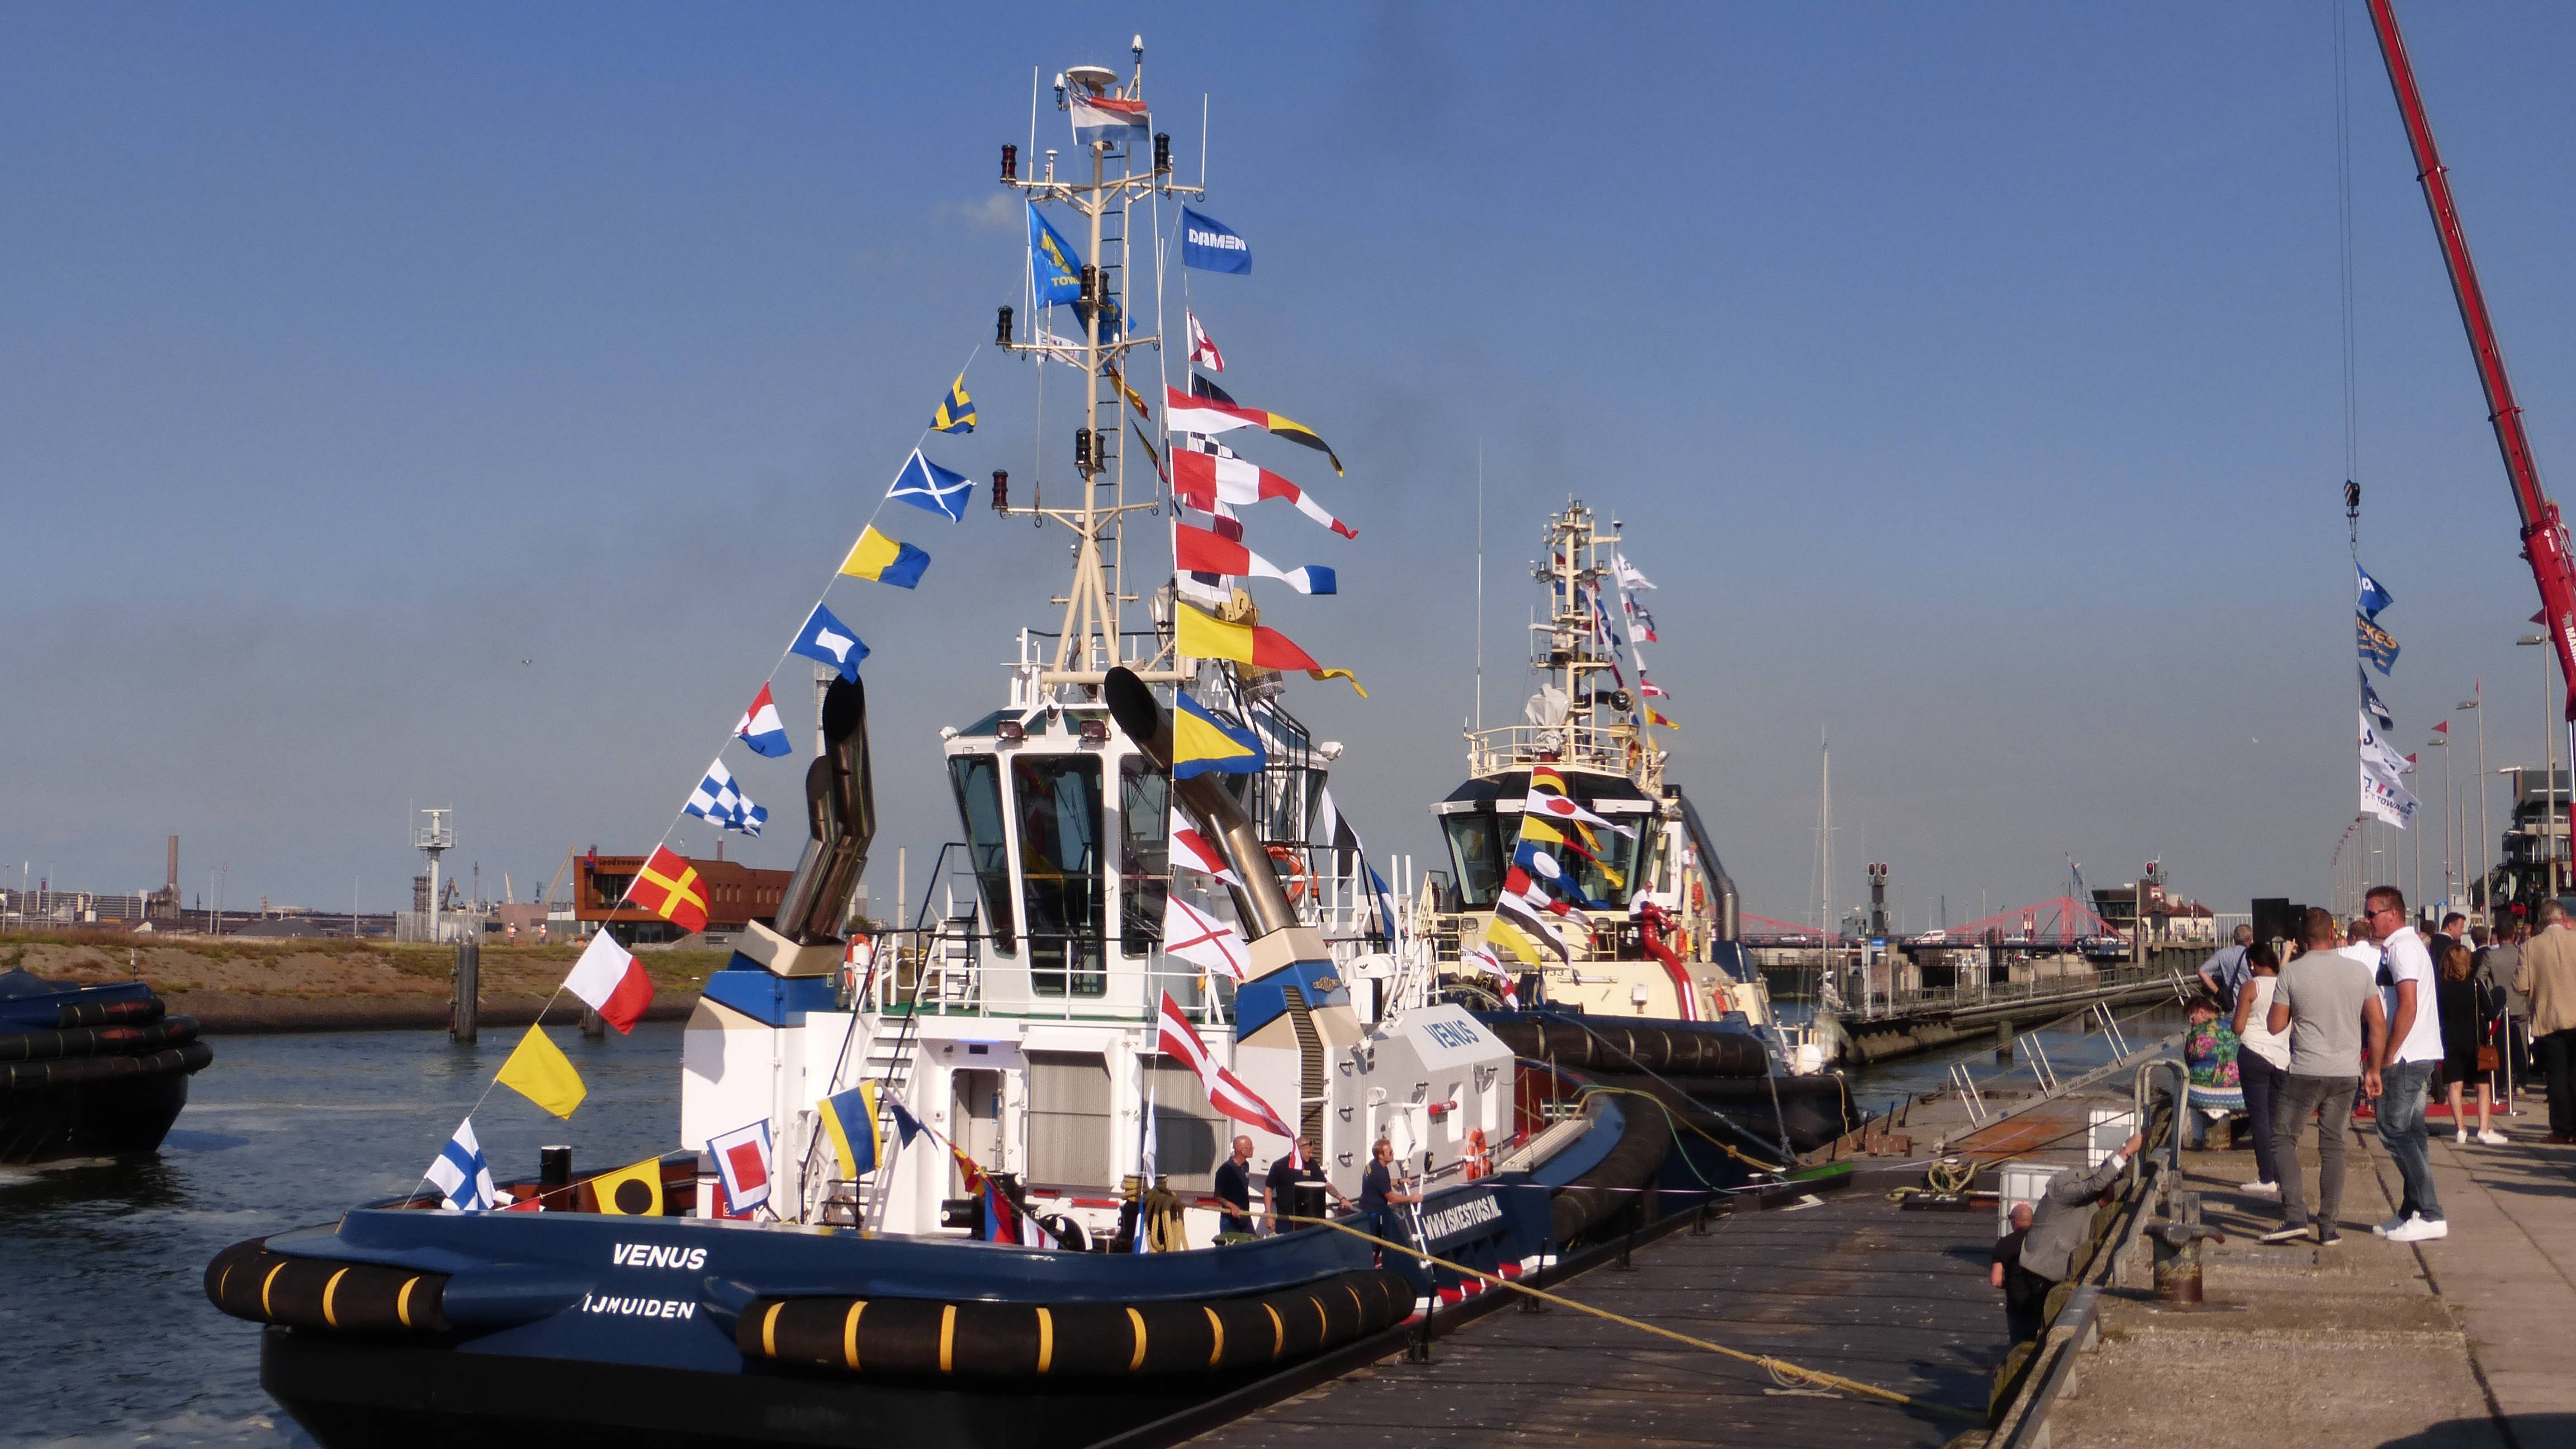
[[1091, 642]]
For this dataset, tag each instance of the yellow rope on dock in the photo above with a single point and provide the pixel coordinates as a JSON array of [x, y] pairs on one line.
[[1780, 1369]]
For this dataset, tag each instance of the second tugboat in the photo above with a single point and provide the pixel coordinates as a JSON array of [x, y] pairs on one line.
[[1591, 920]]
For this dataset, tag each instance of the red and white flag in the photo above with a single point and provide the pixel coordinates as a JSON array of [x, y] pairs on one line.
[[1226, 1092], [1203, 347], [1205, 551], [1202, 940], [1204, 480], [611, 982], [1111, 119], [1191, 851], [1185, 413]]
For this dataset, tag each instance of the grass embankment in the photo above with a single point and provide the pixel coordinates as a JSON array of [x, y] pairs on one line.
[[252, 985]]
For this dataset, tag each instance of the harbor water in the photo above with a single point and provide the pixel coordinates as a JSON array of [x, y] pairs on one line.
[[109, 1338]]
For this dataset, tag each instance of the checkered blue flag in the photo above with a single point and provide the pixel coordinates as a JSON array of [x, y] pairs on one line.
[[719, 799]]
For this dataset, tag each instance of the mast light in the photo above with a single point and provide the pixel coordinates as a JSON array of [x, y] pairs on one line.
[[1002, 328], [1001, 491], [1162, 153], [1010, 162]]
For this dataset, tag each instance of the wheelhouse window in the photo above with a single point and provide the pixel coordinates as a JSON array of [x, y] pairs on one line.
[[1475, 848], [978, 781], [1144, 851], [1057, 802]]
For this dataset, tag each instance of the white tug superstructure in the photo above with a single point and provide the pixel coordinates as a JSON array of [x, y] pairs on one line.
[[1013, 1009]]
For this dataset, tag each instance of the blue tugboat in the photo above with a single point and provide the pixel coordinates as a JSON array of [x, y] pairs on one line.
[[89, 1071], [1057, 1269]]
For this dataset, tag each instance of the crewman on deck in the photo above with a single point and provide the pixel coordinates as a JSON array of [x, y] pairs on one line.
[[1234, 1189], [1379, 1191]]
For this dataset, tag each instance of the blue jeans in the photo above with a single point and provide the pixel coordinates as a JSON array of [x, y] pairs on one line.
[[2262, 1082], [2401, 1130]]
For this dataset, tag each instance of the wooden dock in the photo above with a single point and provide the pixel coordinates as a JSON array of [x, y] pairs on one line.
[[1851, 1285]]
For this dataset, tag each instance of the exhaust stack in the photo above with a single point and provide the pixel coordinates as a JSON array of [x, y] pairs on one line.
[[841, 819]]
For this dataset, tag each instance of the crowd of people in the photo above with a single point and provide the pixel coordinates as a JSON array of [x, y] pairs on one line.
[[2302, 1035]]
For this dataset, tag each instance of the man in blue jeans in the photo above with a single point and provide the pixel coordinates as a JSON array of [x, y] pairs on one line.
[[2408, 1063]]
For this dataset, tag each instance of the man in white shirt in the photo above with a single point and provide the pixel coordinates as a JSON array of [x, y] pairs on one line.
[[2408, 1063]]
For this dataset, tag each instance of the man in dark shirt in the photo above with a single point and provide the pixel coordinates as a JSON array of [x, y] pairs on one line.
[[1234, 1189], [2025, 1292], [1379, 1193]]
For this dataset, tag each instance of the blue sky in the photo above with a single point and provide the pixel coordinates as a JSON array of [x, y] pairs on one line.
[[463, 405]]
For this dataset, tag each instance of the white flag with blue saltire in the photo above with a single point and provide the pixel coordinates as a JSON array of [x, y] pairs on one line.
[[719, 799], [460, 1173]]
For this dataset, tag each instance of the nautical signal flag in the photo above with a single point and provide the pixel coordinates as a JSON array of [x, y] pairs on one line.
[[669, 887], [828, 639], [719, 799], [885, 560], [1203, 347], [1192, 935], [742, 1164], [610, 981], [1204, 480], [1183, 413], [1520, 922], [1202, 744], [761, 728], [1054, 263], [633, 1191], [850, 1120], [956, 412], [461, 1175], [2378, 646], [1191, 851], [1211, 246], [924, 484], [1204, 636], [1196, 550], [538, 1071], [1655, 716], [1175, 1037]]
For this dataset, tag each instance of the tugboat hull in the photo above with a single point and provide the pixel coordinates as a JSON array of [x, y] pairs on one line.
[[89, 1071], [348, 1393], [98, 1119]]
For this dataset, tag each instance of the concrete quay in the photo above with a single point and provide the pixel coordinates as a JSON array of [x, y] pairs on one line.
[[2466, 1342]]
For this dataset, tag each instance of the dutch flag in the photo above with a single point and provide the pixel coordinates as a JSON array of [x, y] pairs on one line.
[[760, 727]]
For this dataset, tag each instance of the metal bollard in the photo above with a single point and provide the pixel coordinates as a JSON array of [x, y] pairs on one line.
[[593, 1025], [2178, 1250]]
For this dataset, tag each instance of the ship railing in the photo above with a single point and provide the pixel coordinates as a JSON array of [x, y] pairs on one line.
[[1608, 749]]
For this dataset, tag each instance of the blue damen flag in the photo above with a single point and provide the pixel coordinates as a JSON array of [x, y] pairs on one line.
[[1212, 246], [1053, 261], [2378, 646], [2373, 597]]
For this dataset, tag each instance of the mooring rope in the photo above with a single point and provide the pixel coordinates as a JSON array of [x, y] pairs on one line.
[[1781, 1370]]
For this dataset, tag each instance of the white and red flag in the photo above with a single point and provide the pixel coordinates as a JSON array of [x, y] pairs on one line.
[[1226, 1091], [1206, 551], [1192, 851], [1204, 480], [1202, 940], [1203, 347], [611, 982]]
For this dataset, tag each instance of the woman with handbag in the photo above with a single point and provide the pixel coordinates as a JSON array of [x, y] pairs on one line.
[[2468, 1043]]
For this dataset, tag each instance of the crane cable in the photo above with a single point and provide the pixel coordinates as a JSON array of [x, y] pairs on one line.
[[1781, 1370]]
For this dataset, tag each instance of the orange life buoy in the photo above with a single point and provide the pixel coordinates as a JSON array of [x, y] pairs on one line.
[[1290, 866], [1477, 1163]]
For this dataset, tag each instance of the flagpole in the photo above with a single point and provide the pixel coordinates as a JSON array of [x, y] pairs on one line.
[[1480, 582]]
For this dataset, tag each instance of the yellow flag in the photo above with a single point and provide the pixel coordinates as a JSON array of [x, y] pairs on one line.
[[538, 1072], [634, 1192]]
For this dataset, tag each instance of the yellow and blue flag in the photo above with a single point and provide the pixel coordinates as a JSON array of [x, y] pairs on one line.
[[1203, 744], [2378, 646], [1053, 263], [850, 1118], [885, 560], [956, 412]]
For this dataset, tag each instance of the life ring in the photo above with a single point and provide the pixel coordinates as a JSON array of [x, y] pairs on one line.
[[1478, 1164], [1290, 867]]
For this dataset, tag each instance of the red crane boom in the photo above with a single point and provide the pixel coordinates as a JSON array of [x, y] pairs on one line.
[[2544, 538]]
